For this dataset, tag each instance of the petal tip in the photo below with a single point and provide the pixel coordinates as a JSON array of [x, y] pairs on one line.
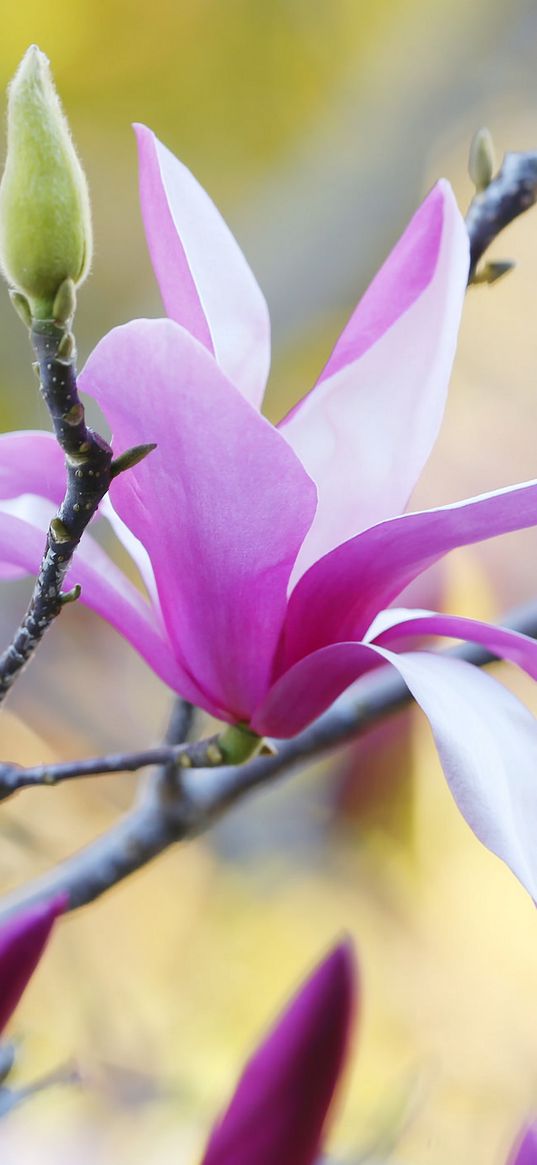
[[338, 976], [142, 132], [22, 942]]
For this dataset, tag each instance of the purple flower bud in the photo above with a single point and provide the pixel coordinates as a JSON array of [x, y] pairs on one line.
[[22, 942], [278, 1113]]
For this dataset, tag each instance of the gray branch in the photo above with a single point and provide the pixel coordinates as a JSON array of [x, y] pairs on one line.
[[89, 468], [510, 193], [201, 754], [180, 803]]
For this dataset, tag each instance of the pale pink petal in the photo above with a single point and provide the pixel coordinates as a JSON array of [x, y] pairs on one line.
[[36, 511], [204, 279], [134, 549], [487, 742], [105, 589], [8, 573], [486, 738], [339, 596], [221, 506], [22, 942], [366, 430], [108, 592], [32, 466], [395, 625], [32, 469], [31, 462], [279, 1110]]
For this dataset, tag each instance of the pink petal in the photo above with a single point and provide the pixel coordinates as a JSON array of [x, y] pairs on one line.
[[278, 1113], [309, 686], [204, 279], [366, 430], [487, 742], [340, 595], [506, 644], [31, 462], [22, 942], [486, 739], [221, 506], [34, 512], [524, 1152], [134, 549], [32, 465], [105, 589]]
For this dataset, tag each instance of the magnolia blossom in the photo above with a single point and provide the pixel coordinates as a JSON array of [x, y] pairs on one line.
[[272, 556], [22, 942], [279, 1110]]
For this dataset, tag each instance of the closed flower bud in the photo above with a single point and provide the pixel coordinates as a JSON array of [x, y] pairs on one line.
[[45, 226], [481, 163]]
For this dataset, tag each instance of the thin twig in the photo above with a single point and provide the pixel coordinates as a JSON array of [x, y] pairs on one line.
[[379, 699], [170, 813], [508, 195], [11, 1098], [201, 754]]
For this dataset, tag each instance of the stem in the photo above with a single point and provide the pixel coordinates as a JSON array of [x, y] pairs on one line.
[[202, 754], [508, 195], [88, 462], [176, 810]]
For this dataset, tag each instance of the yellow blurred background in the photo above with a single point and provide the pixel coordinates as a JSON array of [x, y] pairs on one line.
[[316, 125]]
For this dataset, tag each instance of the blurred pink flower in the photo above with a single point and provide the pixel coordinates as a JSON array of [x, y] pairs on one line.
[[524, 1152], [22, 942], [279, 1110], [270, 554]]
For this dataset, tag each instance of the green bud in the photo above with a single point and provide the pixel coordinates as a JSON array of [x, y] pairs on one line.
[[492, 271], [238, 743], [58, 531], [71, 596], [63, 308], [481, 163], [45, 225], [130, 458], [22, 307]]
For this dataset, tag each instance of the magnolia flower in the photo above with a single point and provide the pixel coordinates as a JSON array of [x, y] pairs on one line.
[[278, 1113], [270, 555], [22, 942]]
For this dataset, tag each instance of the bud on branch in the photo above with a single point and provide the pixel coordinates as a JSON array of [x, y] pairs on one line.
[[45, 226]]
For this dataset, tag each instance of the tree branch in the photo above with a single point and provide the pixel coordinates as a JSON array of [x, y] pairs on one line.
[[182, 803], [89, 469], [380, 699], [511, 192], [201, 754]]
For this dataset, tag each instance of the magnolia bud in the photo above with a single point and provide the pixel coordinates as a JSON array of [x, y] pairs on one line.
[[45, 225], [481, 163]]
